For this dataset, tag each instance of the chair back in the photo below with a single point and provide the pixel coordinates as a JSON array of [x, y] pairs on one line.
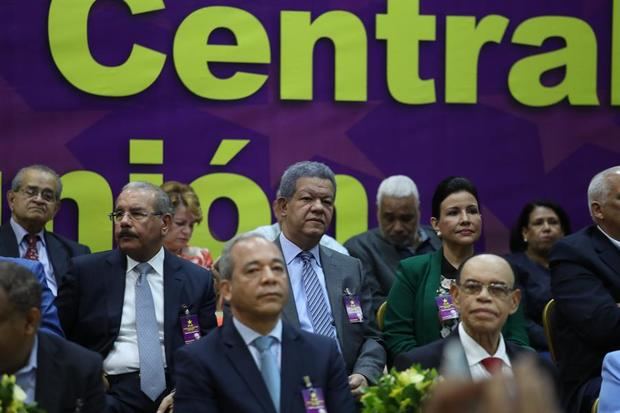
[[548, 317], [381, 315]]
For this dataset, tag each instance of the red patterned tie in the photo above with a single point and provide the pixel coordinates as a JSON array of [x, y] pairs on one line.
[[31, 251], [492, 364]]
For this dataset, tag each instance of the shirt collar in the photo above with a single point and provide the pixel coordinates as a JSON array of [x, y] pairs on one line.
[[613, 241], [248, 335], [156, 261], [291, 251], [20, 232], [32, 360], [475, 353]]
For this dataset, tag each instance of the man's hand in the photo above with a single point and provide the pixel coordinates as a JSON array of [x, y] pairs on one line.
[[167, 403], [356, 383]]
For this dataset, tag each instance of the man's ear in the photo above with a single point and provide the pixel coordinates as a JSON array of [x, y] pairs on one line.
[[281, 206], [33, 318], [515, 299], [10, 197], [166, 220], [456, 295], [597, 210], [225, 289]]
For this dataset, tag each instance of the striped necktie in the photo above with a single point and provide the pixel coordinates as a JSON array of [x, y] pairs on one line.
[[318, 307]]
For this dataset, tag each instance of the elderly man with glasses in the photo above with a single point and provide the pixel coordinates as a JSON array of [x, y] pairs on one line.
[[34, 200], [484, 295], [137, 304]]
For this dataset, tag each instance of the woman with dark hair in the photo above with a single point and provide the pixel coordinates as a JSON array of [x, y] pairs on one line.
[[540, 225], [415, 306]]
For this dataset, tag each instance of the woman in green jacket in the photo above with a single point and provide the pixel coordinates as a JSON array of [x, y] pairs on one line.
[[413, 317]]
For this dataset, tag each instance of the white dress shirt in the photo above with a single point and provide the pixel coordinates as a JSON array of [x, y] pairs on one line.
[[248, 335], [613, 240], [124, 356], [295, 265], [475, 353], [22, 244]]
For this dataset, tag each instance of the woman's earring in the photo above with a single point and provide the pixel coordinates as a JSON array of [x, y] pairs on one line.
[[439, 234]]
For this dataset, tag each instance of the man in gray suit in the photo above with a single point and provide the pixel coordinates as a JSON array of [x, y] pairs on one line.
[[328, 293], [398, 236]]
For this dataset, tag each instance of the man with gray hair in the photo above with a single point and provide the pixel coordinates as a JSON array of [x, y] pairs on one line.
[[137, 304], [256, 354], [398, 236], [585, 282], [34, 200], [328, 292]]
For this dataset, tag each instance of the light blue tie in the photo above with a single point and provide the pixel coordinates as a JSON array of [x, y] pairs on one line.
[[152, 375], [315, 299], [269, 368]]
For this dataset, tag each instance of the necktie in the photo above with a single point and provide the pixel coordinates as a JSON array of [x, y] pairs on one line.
[[31, 251], [152, 375], [269, 368], [492, 364], [315, 299]]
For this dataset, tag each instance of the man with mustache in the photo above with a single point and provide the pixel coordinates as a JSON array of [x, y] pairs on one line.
[[398, 236], [484, 295], [328, 292], [257, 362], [34, 200], [137, 304]]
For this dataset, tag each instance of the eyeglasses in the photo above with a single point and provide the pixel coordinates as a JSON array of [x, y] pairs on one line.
[[498, 290], [136, 216], [32, 192]]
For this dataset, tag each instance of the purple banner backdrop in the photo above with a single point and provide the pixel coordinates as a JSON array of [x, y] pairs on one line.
[[514, 153]]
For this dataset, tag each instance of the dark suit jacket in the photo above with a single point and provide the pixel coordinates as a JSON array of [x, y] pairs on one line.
[[585, 282], [218, 374], [380, 259], [429, 356], [60, 250], [360, 343], [90, 301], [49, 314], [68, 377]]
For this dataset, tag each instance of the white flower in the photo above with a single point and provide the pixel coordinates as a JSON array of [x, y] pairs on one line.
[[18, 394]]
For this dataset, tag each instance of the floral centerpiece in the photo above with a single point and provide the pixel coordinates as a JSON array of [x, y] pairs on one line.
[[12, 398], [400, 392]]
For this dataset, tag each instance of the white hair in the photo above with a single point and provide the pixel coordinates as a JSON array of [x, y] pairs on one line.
[[398, 186], [599, 187]]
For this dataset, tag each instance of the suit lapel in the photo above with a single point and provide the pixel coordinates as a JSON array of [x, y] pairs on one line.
[[334, 285], [608, 252], [290, 308], [291, 376], [113, 276], [8, 242], [173, 287], [49, 376], [58, 260], [242, 361]]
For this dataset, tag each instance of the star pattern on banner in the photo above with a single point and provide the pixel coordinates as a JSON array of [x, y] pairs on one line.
[[318, 128], [563, 130], [38, 136]]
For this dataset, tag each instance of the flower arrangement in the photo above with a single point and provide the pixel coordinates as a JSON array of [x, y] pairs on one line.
[[400, 392], [12, 398]]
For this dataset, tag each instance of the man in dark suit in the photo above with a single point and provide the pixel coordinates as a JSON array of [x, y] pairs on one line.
[[58, 375], [398, 236], [49, 315], [34, 200], [231, 371], [484, 295], [328, 292], [137, 304], [585, 282]]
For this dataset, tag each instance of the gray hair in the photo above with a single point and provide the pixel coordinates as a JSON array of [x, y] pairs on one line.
[[225, 263], [304, 169], [17, 182], [398, 186], [599, 188], [21, 287], [162, 204]]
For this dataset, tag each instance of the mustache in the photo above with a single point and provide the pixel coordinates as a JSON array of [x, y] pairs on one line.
[[123, 233]]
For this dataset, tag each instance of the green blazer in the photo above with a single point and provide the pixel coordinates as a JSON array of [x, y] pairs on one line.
[[411, 317]]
